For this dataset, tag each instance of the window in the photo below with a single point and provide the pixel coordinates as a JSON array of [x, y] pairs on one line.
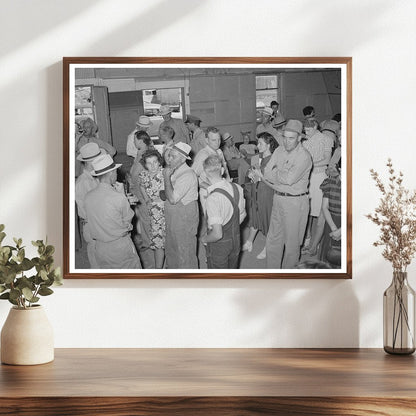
[[152, 100], [267, 90]]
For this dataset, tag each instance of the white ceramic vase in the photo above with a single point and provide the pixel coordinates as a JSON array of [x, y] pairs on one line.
[[27, 337]]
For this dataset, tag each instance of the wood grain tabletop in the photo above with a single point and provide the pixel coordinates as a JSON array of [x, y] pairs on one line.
[[239, 379]]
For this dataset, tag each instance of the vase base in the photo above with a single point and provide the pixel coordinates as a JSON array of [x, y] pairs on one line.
[[399, 351]]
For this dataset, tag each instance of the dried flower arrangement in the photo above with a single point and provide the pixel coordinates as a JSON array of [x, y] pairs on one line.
[[396, 216]]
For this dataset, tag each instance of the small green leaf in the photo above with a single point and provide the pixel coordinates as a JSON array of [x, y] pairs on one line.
[[5, 295], [2, 236], [2, 288], [49, 250], [27, 293], [58, 277], [1, 227], [45, 291], [14, 302], [25, 282], [21, 254], [26, 264], [43, 275], [9, 277], [15, 294]]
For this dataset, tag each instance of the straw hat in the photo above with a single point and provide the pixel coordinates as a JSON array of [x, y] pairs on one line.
[[103, 164], [164, 110], [183, 148], [89, 152], [144, 121]]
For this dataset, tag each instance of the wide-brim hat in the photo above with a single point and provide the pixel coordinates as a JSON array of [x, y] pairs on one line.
[[103, 164], [294, 126], [183, 148], [279, 121], [89, 152], [164, 110], [144, 121], [330, 125], [192, 119], [227, 136]]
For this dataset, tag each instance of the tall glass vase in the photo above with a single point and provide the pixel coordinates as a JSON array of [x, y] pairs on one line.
[[399, 316]]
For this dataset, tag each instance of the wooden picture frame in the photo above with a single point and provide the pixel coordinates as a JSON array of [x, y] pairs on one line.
[[225, 85]]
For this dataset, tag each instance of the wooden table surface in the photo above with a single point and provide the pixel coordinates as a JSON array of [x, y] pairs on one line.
[[212, 382]]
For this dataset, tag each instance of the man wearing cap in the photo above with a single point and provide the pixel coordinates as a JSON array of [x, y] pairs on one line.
[[109, 217], [291, 165], [181, 132], [143, 124], [225, 212], [181, 209], [198, 138], [235, 160], [85, 183], [266, 125]]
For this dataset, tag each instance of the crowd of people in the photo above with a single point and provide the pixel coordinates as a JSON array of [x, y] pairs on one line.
[[194, 189]]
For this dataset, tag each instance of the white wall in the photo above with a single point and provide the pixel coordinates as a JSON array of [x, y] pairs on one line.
[[378, 34]]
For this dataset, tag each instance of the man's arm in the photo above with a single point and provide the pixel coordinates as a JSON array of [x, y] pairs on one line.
[[293, 175], [167, 173]]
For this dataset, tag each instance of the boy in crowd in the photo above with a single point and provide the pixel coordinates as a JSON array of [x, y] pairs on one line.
[[225, 207]]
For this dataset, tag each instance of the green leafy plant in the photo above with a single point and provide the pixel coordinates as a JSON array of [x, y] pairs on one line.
[[15, 285]]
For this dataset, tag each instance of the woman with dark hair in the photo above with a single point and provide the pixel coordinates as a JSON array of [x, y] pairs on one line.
[[260, 198], [151, 181], [141, 233]]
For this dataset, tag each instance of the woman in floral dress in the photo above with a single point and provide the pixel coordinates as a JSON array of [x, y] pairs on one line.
[[151, 182]]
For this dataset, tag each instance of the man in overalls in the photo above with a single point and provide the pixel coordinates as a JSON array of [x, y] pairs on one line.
[[181, 209], [225, 211]]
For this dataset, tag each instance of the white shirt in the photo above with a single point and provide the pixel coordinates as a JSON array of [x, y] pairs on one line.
[[219, 208], [85, 183], [185, 185], [131, 149]]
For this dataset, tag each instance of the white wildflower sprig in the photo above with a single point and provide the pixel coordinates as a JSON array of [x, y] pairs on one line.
[[396, 217]]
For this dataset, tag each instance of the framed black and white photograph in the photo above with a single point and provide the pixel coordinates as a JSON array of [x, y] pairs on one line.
[[207, 168]]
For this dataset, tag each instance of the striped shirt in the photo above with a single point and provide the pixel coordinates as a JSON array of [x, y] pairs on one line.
[[331, 188]]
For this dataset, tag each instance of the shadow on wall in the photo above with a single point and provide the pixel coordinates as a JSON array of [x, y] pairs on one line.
[[129, 34], [146, 25], [300, 313], [349, 25], [46, 15]]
